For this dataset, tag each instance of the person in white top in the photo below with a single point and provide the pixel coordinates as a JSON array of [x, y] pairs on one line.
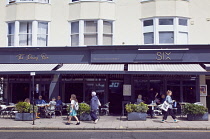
[[73, 112]]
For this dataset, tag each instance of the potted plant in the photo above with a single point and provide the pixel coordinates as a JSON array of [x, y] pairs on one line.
[[195, 112], [137, 112], [83, 112], [25, 111]]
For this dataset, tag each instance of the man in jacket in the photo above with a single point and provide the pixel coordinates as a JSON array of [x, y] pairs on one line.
[[94, 107]]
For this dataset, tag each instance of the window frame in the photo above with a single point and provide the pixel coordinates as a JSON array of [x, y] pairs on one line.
[[156, 28]]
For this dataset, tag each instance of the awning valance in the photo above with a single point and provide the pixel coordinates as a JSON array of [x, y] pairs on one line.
[[167, 68], [92, 67], [26, 67]]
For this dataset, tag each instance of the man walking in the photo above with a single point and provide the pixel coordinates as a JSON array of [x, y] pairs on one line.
[[94, 107]]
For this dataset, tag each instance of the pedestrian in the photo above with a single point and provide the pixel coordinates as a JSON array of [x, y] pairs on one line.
[[94, 103], [139, 99], [73, 112], [170, 110]]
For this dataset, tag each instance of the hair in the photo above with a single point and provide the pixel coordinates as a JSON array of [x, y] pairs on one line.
[[93, 93], [169, 91], [73, 97], [140, 96], [27, 100], [53, 97]]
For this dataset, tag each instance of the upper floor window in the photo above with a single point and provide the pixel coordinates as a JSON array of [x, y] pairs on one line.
[[89, 0], [91, 32], [27, 33], [170, 30], [16, 1]]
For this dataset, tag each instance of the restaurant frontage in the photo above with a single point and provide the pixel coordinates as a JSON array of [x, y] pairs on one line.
[[117, 73]]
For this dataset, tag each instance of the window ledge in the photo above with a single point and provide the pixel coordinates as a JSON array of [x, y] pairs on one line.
[[81, 1]]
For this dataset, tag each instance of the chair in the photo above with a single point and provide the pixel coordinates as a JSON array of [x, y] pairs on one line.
[[4, 110], [50, 110], [59, 109]]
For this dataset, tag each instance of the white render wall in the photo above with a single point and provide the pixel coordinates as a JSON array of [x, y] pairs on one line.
[[126, 14]]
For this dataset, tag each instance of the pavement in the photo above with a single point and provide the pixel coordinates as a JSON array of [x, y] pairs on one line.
[[105, 123]]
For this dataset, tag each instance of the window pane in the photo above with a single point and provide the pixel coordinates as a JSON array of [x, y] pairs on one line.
[[107, 27], [183, 22], [75, 40], [183, 38], [42, 40], [74, 27], [11, 28], [148, 22], [90, 39], [25, 27], [107, 39], [165, 21], [11, 40], [25, 40], [149, 38], [166, 37], [90, 26], [42, 28]]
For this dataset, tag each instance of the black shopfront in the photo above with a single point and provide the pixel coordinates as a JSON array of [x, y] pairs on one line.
[[110, 83]]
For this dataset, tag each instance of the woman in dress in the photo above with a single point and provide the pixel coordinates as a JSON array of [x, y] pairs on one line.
[[73, 112]]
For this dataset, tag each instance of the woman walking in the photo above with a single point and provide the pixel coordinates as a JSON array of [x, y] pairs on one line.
[[170, 110], [73, 112]]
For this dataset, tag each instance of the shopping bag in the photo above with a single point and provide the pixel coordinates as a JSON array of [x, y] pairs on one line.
[[164, 106]]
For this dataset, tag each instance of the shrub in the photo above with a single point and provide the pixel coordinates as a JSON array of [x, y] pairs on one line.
[[136, 107], [83, 108], [24, 107], [194, 109]]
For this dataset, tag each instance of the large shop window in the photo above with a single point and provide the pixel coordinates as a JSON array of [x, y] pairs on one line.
[[19, 1], [91, 32], [23, 33], [170, 30]]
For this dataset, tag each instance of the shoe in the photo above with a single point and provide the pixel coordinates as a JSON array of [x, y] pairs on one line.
[[96, 121], [37, 117], [67, 123], [176, 121], [163, 121], [78, 123]]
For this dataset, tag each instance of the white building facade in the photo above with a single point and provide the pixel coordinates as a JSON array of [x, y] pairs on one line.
[[79, 23]]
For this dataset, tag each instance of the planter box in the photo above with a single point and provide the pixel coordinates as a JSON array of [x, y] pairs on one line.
[[198, 117], [85, 117], [24, 117], [137, 116]]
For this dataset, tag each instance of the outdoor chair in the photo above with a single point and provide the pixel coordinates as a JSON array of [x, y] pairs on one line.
[[59, 109], [50, 110]]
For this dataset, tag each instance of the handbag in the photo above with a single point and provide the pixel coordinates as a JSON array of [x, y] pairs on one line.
[[164, 106]]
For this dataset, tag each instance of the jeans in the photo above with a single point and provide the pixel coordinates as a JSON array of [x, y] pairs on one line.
[[93, 115], [166, 113]]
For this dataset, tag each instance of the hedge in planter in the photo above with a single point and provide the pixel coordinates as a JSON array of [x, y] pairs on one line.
[[137, 112], [83, 112], [195, 112], [25, 111]]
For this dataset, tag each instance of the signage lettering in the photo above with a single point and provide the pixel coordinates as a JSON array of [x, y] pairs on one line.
[[43, 56], [163, 56]]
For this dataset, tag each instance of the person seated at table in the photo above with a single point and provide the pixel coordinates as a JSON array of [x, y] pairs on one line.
[[35, 109], [139, 99], [40, 101], [163, 98], [59, 103], [51, 106]]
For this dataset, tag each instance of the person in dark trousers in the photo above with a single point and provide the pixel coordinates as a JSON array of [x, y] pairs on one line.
[[151, 97], [170, 110], [94, 107]]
